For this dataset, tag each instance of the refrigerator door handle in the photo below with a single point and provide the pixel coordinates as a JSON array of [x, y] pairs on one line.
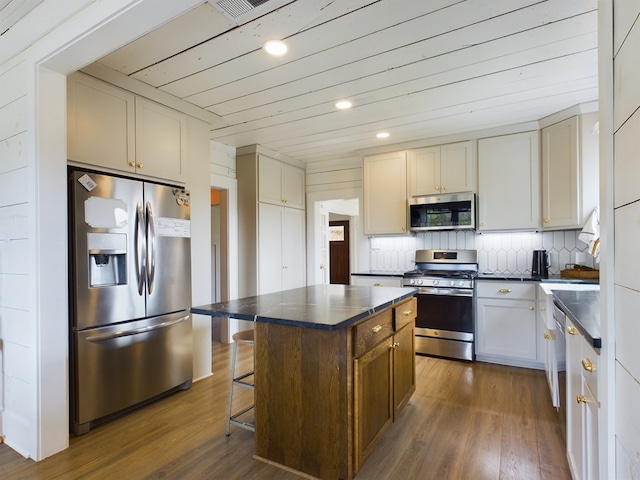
[[135, 331], [140, 248], [151, 250]]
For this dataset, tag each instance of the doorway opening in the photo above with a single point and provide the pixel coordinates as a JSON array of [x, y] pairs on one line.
[[334, 260], [219, 253], [339, 266]]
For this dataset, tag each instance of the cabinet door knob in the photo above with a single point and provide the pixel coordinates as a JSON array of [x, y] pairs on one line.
[[505, 290], [532, 308], [140, 165], [376, 329], [581, 399], [545, 220], [132, 164], [547, 336], [395, 345], [588, 365], [406, 313], [572, 331]]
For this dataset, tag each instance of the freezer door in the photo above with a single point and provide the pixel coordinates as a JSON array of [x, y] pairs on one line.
[[107, 249], [168, 232], [119, 366]]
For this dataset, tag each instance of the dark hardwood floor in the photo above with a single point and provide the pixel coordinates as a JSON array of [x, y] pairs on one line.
[[465, 421]]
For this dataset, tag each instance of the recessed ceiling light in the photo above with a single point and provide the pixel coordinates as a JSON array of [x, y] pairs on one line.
[[382, 135], [343, 104], [275, 47]]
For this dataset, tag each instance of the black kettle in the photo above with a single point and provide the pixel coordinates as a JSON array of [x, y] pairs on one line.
[[540, 264]]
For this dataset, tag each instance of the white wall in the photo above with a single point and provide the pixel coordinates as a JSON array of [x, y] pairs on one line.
[[223, 176], [18, 328], [198, 184], [626, 179], [53, 40]]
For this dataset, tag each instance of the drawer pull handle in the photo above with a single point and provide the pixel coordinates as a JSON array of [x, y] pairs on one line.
[[572, 331], [377, 284], [505, 290], [376, 329], [406, 313], [588, 365]]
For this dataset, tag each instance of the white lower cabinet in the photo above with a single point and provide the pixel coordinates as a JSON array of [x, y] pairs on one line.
[[582, 406], [506, 330]]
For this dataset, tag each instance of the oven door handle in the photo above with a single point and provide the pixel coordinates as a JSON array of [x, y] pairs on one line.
[[451, 292]]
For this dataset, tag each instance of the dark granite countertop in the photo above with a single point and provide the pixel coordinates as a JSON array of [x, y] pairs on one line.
[[325, 307], [528, 278], [583, 308], [379, 273]]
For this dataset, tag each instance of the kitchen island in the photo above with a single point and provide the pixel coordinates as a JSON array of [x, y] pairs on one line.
[[334, 366]]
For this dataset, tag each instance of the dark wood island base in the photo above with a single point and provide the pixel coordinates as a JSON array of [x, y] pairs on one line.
[[325, 394]]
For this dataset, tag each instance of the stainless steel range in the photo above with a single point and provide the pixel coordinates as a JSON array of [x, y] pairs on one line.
[[446, 315]]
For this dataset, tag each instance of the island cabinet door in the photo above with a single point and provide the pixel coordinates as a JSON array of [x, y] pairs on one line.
[[373, 394], [404, 367]]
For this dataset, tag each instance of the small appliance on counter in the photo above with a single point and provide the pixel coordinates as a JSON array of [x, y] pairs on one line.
[[540, 264]]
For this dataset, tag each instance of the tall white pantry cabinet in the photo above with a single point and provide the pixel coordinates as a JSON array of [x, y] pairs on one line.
[[271, 223]]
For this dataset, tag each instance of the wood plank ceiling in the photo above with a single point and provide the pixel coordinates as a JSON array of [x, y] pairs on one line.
[[414, 68]]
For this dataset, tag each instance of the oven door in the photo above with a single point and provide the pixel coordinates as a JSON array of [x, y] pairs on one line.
[[445, 323]]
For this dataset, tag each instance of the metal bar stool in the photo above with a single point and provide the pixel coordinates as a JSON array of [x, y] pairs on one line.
[[243, 337]]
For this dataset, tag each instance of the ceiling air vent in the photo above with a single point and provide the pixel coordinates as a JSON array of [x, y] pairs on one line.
[[237, 8]]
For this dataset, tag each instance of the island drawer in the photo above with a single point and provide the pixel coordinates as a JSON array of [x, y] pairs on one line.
[[405, 312], [372, 331]]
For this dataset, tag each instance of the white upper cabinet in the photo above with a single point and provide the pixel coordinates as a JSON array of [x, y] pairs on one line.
[[509, 182], [569, 172], [160, 140], [115, 129], [280, 183], [442, 169], [106, 139], [385, 194]]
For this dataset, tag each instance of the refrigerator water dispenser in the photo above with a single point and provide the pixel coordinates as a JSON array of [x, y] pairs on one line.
[[107, 269], [107, 259]]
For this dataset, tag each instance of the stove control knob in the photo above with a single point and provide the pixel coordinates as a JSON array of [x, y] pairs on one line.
[[419, 282], [436, 282]]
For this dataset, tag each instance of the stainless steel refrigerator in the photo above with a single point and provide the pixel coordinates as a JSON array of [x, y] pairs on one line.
[[130, 294]]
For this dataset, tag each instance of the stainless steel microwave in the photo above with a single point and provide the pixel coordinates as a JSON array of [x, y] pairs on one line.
[[442, 212]]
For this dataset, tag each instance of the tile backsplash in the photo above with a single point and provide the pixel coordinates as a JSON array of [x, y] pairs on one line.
[[501, 253]]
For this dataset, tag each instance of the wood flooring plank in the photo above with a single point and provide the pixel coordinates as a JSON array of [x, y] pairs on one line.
[[465, 421]]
